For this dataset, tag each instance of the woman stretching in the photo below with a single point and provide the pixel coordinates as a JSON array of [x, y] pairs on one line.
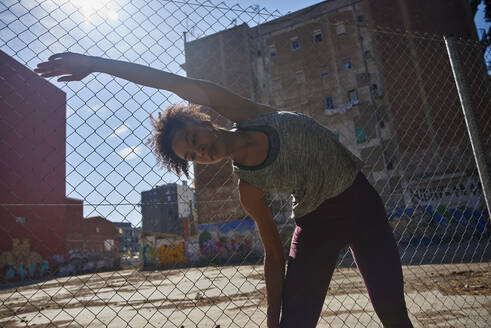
[[282, 152]]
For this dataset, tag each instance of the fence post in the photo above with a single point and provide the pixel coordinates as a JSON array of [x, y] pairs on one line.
[[470, 121]]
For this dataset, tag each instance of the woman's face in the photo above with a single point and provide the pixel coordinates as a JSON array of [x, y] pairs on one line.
[[199, 143]]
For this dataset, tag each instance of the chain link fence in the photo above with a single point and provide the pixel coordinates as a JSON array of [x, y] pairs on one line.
[[94, 233]]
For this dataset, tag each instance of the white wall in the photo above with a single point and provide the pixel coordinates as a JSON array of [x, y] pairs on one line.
[[184, 197]]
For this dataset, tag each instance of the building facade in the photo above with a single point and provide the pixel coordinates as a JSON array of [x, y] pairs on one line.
[[372, 89], [167, 208]]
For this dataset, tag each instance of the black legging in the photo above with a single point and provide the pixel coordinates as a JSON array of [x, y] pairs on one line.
[[355, 218]]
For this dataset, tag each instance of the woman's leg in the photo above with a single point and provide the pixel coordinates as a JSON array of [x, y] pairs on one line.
[[377, 257], [314, 250]]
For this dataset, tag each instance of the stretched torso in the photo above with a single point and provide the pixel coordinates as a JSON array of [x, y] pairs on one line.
[[305, 159]]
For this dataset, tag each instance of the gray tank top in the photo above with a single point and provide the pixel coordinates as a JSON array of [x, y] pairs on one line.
[[305, 160]]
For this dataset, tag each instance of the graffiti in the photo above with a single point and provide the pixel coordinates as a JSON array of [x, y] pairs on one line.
[[192, 251], [166, 254], [58, 258], [20, 262], [228, 241], [453, 192], [83, 261], [217, 243], [428, 225], [225, 247], [169, 254]]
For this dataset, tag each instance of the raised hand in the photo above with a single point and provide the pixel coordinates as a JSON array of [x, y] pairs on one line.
[[73, 67]]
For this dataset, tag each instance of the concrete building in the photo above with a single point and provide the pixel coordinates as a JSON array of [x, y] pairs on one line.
[[128, 236], [371, 88], [167, 208]]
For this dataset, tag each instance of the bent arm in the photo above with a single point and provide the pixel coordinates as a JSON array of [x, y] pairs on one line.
[[75, 67], [253, 201]]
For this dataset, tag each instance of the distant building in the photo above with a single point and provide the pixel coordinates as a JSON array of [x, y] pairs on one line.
[[378, 92], [128, 236], [167, 209]]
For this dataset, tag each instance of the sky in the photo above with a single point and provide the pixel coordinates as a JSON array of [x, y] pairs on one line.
[[108, 162]]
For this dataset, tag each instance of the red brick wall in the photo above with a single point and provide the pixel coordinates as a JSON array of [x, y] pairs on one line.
[[32, 165]]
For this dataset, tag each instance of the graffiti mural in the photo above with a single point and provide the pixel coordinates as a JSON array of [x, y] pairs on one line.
[[84, 261], [217, 243], [428, 225], [21, 263], [234, 241], [464, 191], [163, 251], [169, 254]]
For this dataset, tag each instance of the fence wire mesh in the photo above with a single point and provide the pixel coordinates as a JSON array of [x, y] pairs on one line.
[[94, 233]]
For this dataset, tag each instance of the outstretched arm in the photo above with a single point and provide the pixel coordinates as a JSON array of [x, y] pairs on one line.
[[75, 67], [253, 201]]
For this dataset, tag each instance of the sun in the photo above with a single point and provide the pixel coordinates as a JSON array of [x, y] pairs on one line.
[[105, 9]]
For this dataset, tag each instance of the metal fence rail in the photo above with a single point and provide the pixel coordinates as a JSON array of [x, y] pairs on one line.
[[94, 233]]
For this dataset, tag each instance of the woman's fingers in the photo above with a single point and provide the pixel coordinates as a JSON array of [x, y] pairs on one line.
[[68, 78], [59, 55], [47, 67], [52, 73], [66, 63]]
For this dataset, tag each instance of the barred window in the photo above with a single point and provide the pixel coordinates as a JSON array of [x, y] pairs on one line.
[[360, 134], [295, 43], [329, 103], [347, 64], [323, 71], [340, 28], [353, 97], [317, 36]]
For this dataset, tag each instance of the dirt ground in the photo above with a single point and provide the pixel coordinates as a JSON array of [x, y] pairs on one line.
[[437, 296]]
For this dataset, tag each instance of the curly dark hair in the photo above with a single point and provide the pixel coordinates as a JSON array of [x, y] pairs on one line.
[[165, 127]]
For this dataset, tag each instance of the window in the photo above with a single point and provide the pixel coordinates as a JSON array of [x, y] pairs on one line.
[[323, 71], [317, 36], [353, 97], [120, 231], [360, 135], [300, 77], [108, 245], [276, 84], [376, 91], [340, 28], [295, 43], [272, 51], [169, 198], [329, 103], [20, 220], [347, 64], [97, 229]]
